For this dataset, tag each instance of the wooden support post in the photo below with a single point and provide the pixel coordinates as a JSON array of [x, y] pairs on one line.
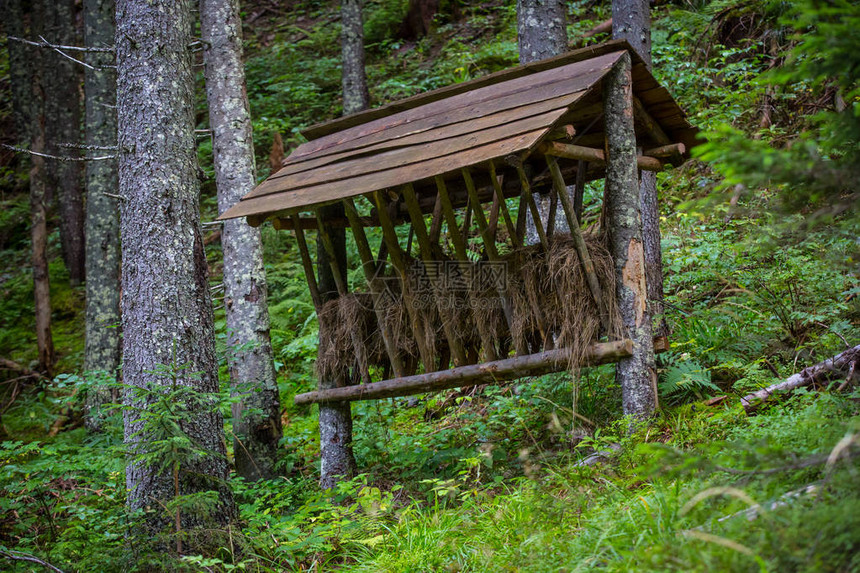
[[636, 374], [487, 373], [578, 239], [307, 265], [340, 282], [503, 206], [445, 314], [325, 238], [376, 291], [436, 223], [579, 190], [419, 329], [451, 219], [489, 243], [530, 201], [494, 217], [553, 209]]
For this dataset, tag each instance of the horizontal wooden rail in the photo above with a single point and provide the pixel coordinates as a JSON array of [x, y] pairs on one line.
[[592, 155], [471, 375]]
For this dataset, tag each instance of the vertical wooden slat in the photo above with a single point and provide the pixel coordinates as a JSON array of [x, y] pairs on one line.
[[368, 265], [340, 282], [579, 190], [390, 236], [503, 206], [494, 217], [553, 208], [576, 234], [489, 243], [451, 219], [530, 201], [457, 351], [307, 265]]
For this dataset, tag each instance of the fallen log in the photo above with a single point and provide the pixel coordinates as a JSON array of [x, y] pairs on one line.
[[486, 373], [844, 364]]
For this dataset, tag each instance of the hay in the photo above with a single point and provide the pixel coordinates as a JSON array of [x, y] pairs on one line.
[[547, 290]]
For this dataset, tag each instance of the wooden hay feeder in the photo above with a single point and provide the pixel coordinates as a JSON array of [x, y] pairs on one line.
[[456, 172]]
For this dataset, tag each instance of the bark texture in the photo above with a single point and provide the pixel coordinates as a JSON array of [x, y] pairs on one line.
[[257, 416], [102, 351], [63, 126], [541, 29], [541, 34], [168, 334], [355, 94], [336, 458], [631, 20], [19, 69], [636, 375]]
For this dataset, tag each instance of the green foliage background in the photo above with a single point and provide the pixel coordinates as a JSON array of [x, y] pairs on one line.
[[493, 481]]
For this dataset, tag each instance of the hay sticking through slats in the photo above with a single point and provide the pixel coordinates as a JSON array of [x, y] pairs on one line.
[[545, 288]]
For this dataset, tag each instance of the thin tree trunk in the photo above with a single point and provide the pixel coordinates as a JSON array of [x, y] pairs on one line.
[[168, 333], [636, 375], [20, 71], [355, 95], [102, 351], [631, 20], [28, 100], [63, 126], [257, 416], [541, 34]]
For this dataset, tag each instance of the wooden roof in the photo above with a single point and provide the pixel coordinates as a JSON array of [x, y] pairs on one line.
[[439, 132]]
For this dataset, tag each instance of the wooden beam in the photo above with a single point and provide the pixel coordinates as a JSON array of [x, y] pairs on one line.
[[368, 264], [530, 201], [487, 373], [309, 223], [667, 150], [592, 155], [651, 127]]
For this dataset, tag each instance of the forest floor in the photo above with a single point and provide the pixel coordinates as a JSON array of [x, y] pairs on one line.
[[496, 479]]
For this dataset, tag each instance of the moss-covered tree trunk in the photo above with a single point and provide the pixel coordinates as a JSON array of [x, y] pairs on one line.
[[257, 415], [636, 375], [101, 355], [355, 95], [631, 20], [168, 333], [63, 131]]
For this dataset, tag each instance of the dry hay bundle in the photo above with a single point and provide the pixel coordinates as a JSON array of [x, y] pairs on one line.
[[548, 293]]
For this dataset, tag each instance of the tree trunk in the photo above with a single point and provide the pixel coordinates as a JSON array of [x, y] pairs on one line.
[[336, 458], [631, 20], [63, 126], [20, 70], [168, 333], [541, 34], [355, 95], [636, 375], [541, 29], [101, 356], [419, 18], [257, 416]]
